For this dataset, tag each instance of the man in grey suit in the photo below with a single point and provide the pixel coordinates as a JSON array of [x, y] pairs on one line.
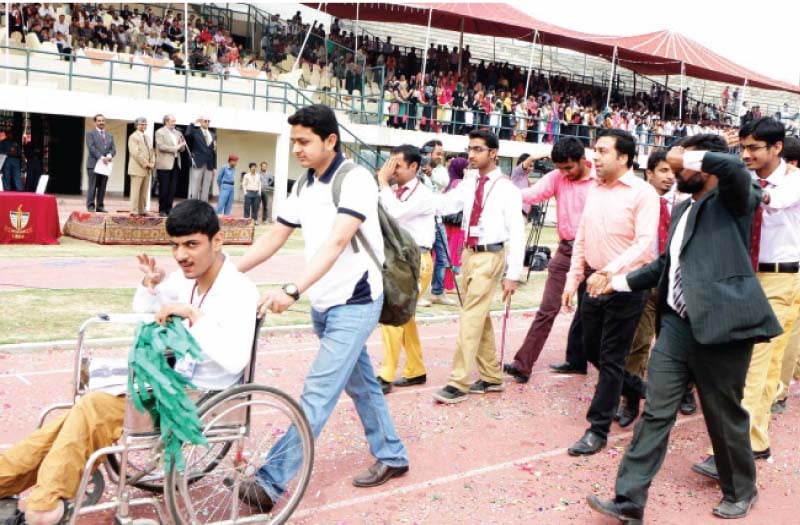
[[711, 310], [101, 149], [169, 144]]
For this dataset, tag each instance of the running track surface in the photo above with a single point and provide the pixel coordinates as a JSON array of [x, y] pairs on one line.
[[499, 458]]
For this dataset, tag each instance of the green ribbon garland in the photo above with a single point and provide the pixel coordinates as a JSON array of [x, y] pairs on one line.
[[154, 386]]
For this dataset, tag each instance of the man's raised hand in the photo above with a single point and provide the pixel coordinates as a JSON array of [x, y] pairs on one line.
[[153, 274]]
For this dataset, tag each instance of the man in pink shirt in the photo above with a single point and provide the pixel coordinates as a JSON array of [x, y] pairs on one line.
[[569, 184], [616, 234]]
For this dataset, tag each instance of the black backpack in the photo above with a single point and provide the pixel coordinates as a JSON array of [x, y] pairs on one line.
[[401, 267]]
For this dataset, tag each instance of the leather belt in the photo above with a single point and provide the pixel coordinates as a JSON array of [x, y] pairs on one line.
[[568, 243], [424, 249], [496, 247], [229, 183], [784, 267]]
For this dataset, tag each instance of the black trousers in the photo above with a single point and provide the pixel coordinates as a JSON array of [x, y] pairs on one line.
[[719, 371], [167, 186], [575, 354], [96, 194], [609, 323]]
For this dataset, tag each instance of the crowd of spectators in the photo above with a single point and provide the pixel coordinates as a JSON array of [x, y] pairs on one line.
[[454, 95]]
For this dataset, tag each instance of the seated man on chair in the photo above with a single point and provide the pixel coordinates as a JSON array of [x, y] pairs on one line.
[[218, 305]]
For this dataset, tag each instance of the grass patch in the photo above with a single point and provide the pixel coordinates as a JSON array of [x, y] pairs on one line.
[[57, 314], [71, 247], [49, 315]]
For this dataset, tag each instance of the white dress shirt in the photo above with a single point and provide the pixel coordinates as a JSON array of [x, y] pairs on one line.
[[415, 210], [780, 226], [224, 331], [501, 218]]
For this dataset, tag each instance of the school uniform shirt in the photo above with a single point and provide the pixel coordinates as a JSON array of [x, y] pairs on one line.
[[501, 218], [225, 329], [414, 209], [780, 223], [354, 278]]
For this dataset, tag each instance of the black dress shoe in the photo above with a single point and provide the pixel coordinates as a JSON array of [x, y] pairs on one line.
[[102, 210], [589, 444], [735, 509], [378, 474], [688, 403], [624, 511], [707, 468], [511, 370], [253, 494], [567, 368], [386, 386], [762, 454], [630, 411], [410, 381]]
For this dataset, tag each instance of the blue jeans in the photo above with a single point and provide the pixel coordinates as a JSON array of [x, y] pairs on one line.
[[12, 174], [440, 263], [225, 202], [341, 364]]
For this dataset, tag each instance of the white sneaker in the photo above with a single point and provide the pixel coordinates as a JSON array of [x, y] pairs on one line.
[[423, 302], [443, 300]]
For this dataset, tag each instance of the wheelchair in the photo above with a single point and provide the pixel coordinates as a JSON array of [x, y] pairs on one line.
[[241, 424]]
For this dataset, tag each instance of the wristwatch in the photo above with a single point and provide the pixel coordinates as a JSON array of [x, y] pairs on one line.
[[291, 290]]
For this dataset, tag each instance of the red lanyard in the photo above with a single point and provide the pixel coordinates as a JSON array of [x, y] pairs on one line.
[[410, 193], [191, 298]]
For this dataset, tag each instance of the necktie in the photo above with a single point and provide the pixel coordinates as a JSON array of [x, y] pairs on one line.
[[663, 226], [677, 294], [755, 239], [103, 136], [400, 191], [477, 209], [208, 137]]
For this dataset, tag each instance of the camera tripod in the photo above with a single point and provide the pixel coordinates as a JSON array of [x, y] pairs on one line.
[[454, 269]]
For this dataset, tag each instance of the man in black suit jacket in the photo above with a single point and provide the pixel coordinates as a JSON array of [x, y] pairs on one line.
[[711, 310], [203, 146]]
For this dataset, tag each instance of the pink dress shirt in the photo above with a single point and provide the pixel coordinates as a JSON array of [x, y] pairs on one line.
[[618, 229], [570, 199]]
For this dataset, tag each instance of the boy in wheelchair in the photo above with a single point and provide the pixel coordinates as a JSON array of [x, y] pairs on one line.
[[218, 305]]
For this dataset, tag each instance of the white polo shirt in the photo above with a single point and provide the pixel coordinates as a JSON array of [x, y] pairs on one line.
[[415, 210], [354, 278]]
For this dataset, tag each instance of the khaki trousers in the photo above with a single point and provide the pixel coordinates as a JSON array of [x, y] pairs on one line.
[[395, 337], [763, 376], [482, 272], [52, 458], [636, 362], [139, 188], [791, 356]]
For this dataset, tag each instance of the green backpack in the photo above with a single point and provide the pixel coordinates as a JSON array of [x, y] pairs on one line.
[[401, 267]]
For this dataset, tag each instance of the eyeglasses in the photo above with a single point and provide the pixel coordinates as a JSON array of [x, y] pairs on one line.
[[477, 149], [752, 148]]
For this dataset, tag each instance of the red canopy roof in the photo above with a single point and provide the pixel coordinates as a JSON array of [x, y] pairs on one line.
[[667, 50], [653, 53]]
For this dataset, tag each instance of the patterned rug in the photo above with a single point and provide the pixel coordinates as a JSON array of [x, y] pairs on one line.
[[122, 229]]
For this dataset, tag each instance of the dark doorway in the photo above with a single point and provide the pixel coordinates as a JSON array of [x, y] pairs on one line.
[[62, 142]]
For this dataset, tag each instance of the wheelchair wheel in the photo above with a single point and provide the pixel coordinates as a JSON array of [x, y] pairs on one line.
[[251, 419]]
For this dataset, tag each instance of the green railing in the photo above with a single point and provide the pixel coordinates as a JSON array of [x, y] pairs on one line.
[[138, 80]]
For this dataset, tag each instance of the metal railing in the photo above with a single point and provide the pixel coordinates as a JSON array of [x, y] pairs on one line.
[[139, 80]]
